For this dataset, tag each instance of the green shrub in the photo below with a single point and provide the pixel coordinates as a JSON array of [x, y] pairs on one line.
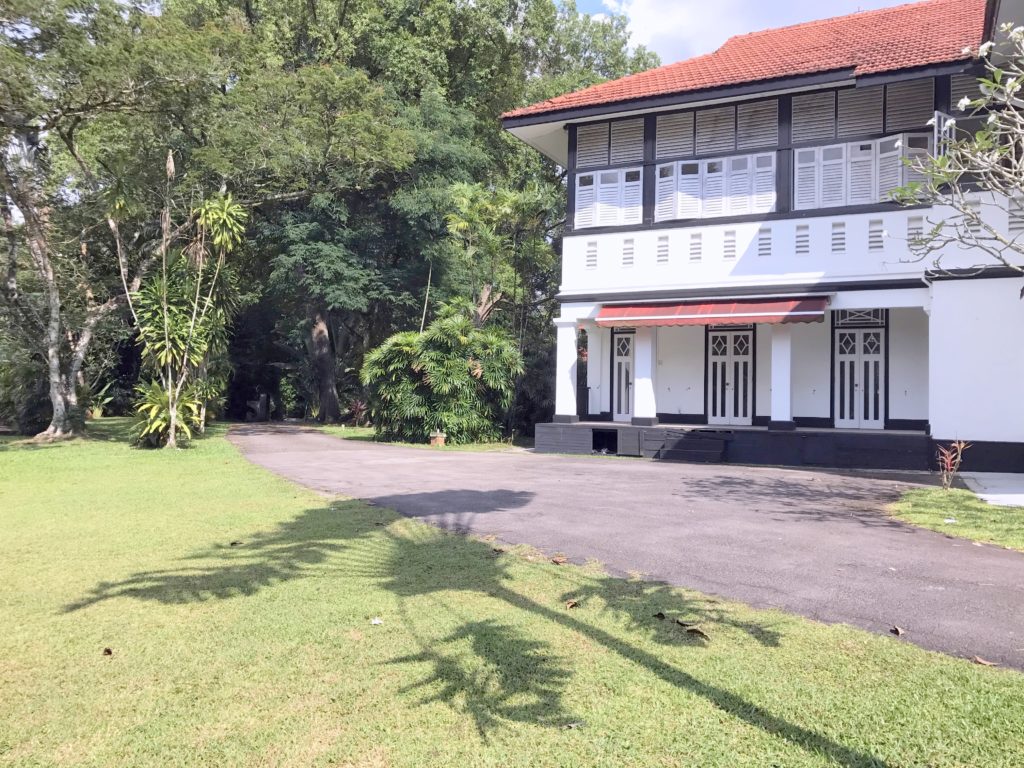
[[153, 415], [454, 377]]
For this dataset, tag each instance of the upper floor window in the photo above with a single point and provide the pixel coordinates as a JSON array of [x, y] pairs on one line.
[[732, 186], [859, 173], [609, 198]]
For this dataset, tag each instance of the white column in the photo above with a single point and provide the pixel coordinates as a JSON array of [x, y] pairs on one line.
[[645, 409], [565, 375], [782, 367], [596, 367]]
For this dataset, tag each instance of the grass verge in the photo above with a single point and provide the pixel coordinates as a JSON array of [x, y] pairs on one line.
[[238, 610], [960, 513], [367, 434]]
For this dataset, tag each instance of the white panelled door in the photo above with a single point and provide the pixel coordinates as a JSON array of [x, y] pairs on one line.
[[622, 377], [730, 377], [860, 378]]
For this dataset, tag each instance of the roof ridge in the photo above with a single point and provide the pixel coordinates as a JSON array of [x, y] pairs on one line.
[[832, 20]]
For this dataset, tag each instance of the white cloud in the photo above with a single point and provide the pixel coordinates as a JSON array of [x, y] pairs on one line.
[[678, 29]]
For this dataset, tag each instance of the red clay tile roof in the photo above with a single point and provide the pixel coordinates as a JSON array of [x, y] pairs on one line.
[[901, 37]]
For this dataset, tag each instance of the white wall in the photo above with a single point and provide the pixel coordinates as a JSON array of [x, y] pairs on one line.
[[680, 372], [812, 369], [763, 370], [854, 255], [976, 360], [908, 364]]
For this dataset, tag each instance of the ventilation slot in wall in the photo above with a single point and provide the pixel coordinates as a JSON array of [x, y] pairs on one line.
[[662, 252], [876, 235], [764, 241], [915, 229], [627, 253], [695, 246], [1016, 217], [803, 239], [729, 244], [591, 257], [838, 237]]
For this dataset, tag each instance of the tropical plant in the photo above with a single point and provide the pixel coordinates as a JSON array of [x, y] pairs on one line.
[[181, 314], [950, 457], [152, 426], [454, 377]]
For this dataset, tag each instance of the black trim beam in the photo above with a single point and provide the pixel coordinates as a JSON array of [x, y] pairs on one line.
[[801, 289]]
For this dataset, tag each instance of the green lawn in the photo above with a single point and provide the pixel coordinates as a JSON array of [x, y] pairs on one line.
[[972, 518], [367, 434], [263, 653]]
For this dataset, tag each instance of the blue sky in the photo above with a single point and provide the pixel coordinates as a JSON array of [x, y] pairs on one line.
[[678, 29]]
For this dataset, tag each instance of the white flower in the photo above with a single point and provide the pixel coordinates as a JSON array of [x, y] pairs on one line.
[[951, 123], [931, 122], [899, 143], [885, 233], [992, 119], [1017, 32], [967, 51], [964, 103], [985, 47]]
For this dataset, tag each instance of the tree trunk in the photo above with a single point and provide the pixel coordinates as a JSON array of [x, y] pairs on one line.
[[322, 352], [172, 419]]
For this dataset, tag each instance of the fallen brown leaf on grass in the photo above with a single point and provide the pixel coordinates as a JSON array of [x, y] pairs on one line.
[[559, 559], [572, 603], [572, 726], [236, 543], [686, 624], [896, 630], [497, 550], [659, 615], [108, 651], [983, 662], [699, 633]]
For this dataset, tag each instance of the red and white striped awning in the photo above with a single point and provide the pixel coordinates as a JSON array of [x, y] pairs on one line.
[[806, 309]]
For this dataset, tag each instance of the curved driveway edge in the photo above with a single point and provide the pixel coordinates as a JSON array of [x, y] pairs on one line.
[[815, 543]]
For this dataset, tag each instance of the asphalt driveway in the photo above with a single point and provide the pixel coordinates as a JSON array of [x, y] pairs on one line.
[[811, 542]]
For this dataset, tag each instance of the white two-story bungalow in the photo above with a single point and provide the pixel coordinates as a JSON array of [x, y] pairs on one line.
[[737, 284]]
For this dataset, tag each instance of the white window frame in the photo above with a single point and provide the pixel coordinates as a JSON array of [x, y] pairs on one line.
[[728, 200], [606, 200], [816, 198]]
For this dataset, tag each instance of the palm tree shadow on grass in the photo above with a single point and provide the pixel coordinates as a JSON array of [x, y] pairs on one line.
[[353, 541]]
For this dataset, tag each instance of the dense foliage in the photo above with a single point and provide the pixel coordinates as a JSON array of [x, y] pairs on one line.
[[362, 138], [455, 377]]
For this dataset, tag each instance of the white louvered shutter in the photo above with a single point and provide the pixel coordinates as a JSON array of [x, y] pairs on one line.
[[860, 111], [910, 104], [916, 148], [609, 198], [961, 86], [674, 136], [757, 124], [627, 141], [688, 191], [805, 179], [713, 187], [860, 176], [814, 116], [592, 145], [632, 196], [665, 193], [764, 183], [585, 201], [890, 166], [738, 183], [716, 130], [833, 176]]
